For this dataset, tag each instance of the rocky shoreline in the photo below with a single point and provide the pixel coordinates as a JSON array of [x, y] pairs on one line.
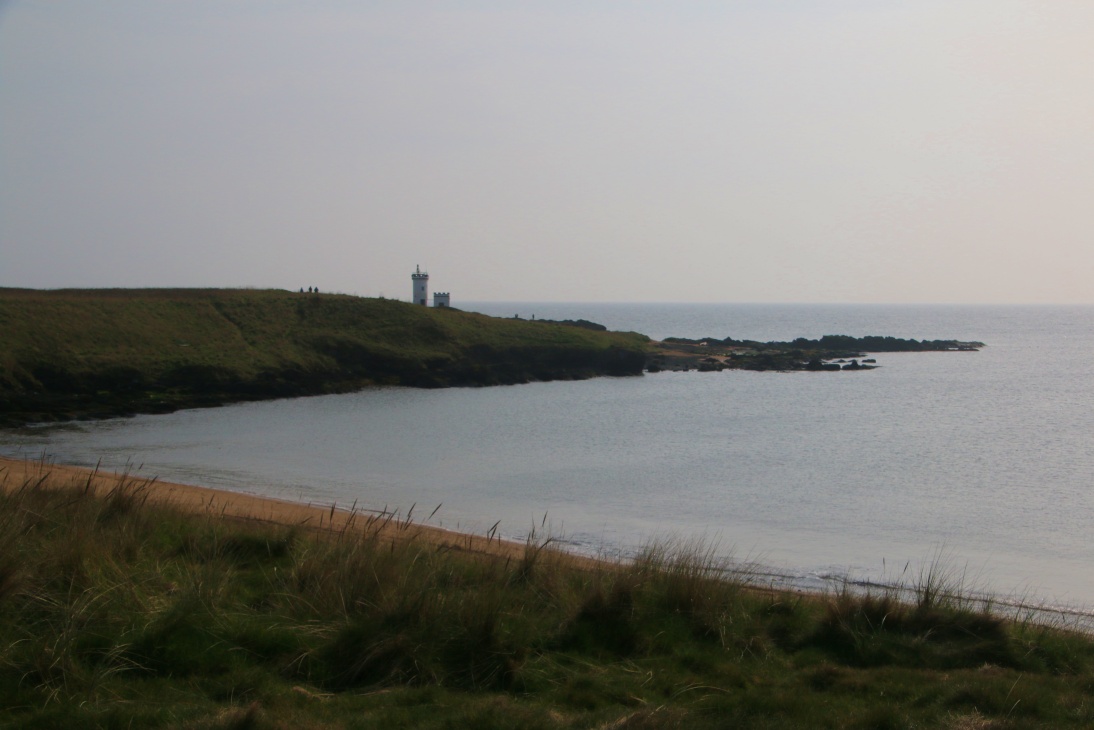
[[831, 353]]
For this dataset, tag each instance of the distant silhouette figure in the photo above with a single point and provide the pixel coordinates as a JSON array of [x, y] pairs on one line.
[[301, 290], [309, 290]]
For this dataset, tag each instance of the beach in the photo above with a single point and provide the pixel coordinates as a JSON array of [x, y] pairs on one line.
[[236, 506]]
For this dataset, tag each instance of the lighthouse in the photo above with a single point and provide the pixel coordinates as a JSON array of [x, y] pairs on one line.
[[421, 286]]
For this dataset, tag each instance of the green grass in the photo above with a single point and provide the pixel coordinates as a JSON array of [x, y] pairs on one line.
[[101, 352], [116, 612]]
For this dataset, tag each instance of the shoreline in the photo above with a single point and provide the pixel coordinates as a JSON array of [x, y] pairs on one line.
[[127, 611], [331, 519], [240, 506]]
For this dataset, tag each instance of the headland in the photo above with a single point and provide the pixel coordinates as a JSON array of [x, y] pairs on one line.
[[77, 353]]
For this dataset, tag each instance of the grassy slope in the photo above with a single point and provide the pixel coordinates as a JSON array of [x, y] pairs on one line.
[[118, 613], [95, 352]]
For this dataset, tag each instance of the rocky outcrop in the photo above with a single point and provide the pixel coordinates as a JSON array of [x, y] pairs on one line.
[[831, 353]]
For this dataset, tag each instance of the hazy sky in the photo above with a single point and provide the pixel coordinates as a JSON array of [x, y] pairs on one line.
[[773, 150]]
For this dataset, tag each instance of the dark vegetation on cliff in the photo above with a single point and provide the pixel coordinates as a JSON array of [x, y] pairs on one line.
[[94, 353], [116, 612], [584, 323]]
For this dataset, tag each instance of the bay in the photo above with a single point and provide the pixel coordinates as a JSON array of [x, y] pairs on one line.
[[985, 457]]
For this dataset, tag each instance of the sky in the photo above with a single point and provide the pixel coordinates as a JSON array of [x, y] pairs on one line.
[[693, 151]]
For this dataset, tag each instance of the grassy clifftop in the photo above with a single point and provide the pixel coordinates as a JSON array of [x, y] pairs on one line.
[[77, 353]]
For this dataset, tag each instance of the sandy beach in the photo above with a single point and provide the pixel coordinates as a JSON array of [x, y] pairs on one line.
[[15, 473]]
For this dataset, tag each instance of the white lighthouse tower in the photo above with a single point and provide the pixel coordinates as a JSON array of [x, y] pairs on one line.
[[421, 286]]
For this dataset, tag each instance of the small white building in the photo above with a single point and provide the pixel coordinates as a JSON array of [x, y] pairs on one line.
[[441, 299]]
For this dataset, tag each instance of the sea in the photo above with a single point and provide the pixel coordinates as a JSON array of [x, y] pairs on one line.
[[979, 464]]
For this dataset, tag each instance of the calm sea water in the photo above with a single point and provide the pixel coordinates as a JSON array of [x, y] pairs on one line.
[[984, 456]]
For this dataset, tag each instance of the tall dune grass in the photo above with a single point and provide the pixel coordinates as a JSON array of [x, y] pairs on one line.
[[118, 611]]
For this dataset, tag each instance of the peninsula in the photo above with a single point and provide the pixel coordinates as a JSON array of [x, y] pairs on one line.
[[96, 353]]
